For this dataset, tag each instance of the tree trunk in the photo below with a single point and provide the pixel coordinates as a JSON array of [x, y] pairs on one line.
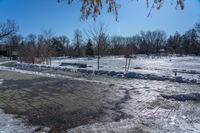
[[98, 57]]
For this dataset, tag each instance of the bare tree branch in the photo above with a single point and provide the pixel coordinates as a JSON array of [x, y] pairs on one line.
[[7, 29], [94, 7]]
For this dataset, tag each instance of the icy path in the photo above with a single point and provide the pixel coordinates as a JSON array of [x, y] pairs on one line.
[[141, 102], [149, 112], [50, 75], [12, 124]]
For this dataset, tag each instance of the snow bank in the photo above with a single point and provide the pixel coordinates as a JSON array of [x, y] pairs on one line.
[[120, 74], [163, 67], [152, 68], [11, 124]]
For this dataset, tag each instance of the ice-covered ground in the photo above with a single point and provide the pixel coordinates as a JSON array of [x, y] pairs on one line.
[[137, 126], [142, 97], [11, 124]]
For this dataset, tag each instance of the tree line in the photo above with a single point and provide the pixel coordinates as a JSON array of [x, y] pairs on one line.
[[38, 48]]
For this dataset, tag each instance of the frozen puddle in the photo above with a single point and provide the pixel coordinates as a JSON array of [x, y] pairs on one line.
[[11, 124]]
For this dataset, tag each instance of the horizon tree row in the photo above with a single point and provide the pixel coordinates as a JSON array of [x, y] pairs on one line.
[[41, 48]]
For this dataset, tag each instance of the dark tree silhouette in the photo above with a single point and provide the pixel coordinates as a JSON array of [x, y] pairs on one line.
[[58, 46], [174, 43], [190, 43], [89, 48]]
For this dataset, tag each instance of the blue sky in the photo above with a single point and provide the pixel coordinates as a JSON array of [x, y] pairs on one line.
[[34, 16]]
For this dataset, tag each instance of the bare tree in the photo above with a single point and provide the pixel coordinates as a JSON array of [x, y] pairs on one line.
[[117, 45], [14, 45], [58, 44], [100, 38], [27, 49], [190, 43], [159, 40], [174, 43], [64, 40], [7, 29], [48, 35], [78, 41], [197, 28], [42, 48], [30, 42], [152, 41]]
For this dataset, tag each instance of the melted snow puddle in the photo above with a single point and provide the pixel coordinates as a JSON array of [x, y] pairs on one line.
[[10, 124]]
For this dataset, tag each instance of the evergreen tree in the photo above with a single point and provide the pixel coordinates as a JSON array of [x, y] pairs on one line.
[[89, 48]]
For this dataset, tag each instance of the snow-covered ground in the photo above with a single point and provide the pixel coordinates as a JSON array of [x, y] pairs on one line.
[[133, 126], [187, 68], [164, 65], [139, 99]]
